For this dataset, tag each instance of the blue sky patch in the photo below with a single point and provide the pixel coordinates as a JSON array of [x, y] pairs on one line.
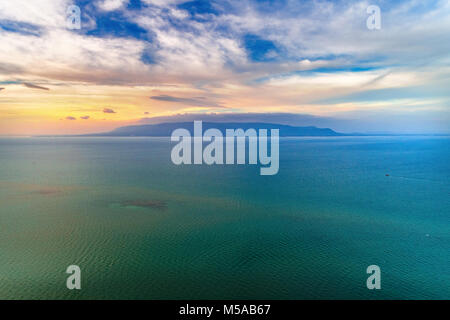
[[260, 50], [199, 7], [20, 27]]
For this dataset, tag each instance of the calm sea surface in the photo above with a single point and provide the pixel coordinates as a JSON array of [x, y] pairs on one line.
[[140, 227]]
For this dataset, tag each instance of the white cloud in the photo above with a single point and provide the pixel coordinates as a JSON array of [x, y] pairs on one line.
[[190, 53], [62, 55], [164, 3], [192, 50], [46, 13], [111, 5], [324, 29]]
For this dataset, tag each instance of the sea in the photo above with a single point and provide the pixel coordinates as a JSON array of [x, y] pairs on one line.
[[140, 227]]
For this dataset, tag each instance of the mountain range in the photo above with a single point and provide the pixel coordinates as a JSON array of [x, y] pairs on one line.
[[166, 129]]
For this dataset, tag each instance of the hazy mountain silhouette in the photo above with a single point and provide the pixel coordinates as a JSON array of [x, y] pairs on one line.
[[166, 129]]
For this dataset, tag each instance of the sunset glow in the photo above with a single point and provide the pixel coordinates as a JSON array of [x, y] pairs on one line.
[[147, 59]]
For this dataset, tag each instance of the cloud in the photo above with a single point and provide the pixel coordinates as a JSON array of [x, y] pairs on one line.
[[164, 3], [197, 101], [85, 117], [189, 44], [110, 5], [34, 86], [269, 117], [45, 13], [243, 56], [2, 89], [108, 110], [71, 118], [7, 68], [62, 55]]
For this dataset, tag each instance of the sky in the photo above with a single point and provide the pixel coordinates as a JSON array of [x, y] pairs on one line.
[[292, 62]]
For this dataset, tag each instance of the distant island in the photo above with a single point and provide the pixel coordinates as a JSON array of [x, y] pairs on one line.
[[166, 129]]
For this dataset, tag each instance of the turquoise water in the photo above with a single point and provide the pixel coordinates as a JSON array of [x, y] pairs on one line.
[[140, 227]]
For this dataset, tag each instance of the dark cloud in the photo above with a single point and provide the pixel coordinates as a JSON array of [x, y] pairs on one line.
[[4, 88], [146, 112], [278, 117], [197, 101], [8, 68], [108, 110], [85, 117], [34, 86], [71, 118]]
